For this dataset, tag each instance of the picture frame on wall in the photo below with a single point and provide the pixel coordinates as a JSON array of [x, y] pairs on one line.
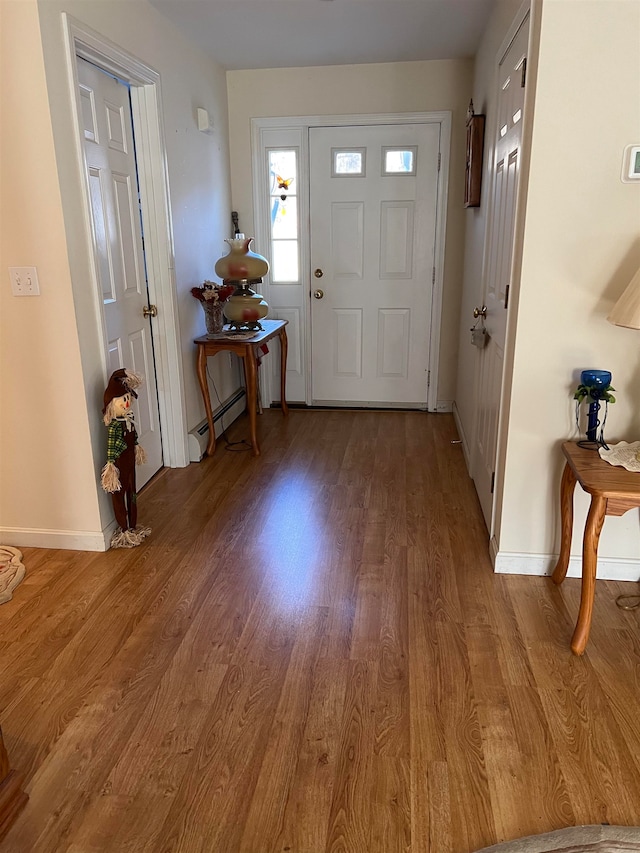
[[475, 148]]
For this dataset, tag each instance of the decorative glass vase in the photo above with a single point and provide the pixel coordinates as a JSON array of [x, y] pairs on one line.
[[213, 316]]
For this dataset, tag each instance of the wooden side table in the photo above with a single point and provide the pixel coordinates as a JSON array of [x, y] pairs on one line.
[[613, 491], [247, 350]]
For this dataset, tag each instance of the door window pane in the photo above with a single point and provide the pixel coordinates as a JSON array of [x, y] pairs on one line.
[[399, 161], [285, 261], [284, 218], [348, 163], [284, 215]]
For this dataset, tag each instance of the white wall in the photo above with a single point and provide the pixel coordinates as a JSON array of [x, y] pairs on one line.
[[581, 247], [50, 461], [362, 89]]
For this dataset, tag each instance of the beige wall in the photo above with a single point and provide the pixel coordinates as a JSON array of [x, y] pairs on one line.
[[50, 460], [581, 246], [44, 434], [362, 89]]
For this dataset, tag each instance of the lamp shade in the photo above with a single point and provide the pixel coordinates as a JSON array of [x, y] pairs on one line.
[[626, 311], [241, 264]]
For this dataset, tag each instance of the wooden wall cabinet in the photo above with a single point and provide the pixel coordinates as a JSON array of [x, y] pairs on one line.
[[12, 797], [475, 147]]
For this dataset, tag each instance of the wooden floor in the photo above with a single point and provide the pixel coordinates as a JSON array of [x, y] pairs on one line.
[[311, 654]]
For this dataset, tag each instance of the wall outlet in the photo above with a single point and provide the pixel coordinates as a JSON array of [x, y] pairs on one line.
[[24, 281]]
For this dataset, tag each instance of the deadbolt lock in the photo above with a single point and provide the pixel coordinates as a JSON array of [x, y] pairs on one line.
[[318, 273]]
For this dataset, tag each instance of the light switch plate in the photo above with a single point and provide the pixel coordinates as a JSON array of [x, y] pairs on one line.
[[205, 121], [24, 281]]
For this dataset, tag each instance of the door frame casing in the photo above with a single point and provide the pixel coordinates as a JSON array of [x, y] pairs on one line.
[[146, 102], [261, 128]]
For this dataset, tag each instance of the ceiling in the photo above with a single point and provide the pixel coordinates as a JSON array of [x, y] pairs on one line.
[[294, 33]]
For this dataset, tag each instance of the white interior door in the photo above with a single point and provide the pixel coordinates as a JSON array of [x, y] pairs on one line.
[[111, 170], [497, 278], [373, 197]]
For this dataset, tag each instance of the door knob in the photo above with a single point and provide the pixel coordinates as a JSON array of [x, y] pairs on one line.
[[318, 273], [480, 312], [150, 311], [318, 294]]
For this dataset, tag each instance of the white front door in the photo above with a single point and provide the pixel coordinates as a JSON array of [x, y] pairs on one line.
[[373, 196], [111, 170], [497, 278]]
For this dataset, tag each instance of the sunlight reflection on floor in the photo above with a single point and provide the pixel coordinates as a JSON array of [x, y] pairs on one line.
[[293, 534]]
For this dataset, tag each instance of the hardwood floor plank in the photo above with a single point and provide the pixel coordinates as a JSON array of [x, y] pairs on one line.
[[472, 820], [306, 817], [226, 761], [390, 805], [351, 809], [274, 787]]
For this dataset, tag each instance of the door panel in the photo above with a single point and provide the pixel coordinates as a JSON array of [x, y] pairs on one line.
[[497, 279], [111, 168], [373, 238]]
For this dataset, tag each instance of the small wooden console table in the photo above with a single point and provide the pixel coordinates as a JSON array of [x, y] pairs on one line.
[[247, 350], [613, 491]]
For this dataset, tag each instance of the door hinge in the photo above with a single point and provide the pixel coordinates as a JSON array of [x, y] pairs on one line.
[[523, 78], [506, 297], [428, 378], [493, 481], [433, 276], [439, 160]]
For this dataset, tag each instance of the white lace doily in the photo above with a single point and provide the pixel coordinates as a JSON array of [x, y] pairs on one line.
[[623, 454]]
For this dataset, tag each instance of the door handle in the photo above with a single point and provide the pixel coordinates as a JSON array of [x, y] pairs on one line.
[[150, 311], [318, 273], [318, 294], [480, 312]]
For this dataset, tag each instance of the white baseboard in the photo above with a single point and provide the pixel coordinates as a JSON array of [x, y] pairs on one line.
[[512, 563], [69, 540]]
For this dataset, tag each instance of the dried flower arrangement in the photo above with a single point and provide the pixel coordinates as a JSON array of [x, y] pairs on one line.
[[212, 292]]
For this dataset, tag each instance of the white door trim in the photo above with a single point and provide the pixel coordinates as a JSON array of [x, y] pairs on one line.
[[146, 101], [259, 126]]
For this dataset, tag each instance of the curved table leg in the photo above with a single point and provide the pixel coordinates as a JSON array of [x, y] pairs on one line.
[[595, 520], [566, 507], [251, 379], [283, 369], [201, 366]]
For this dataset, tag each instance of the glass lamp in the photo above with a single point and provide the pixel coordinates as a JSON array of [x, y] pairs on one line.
[[242, 268], [596, 384]]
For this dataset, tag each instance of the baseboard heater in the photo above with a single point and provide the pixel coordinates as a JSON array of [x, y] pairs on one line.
[[199, 435]]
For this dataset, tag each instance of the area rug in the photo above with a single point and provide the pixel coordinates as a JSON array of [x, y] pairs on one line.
[[577, 839], [12, 571]]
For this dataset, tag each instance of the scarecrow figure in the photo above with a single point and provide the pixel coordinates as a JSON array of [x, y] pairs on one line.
[[123, 448]]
